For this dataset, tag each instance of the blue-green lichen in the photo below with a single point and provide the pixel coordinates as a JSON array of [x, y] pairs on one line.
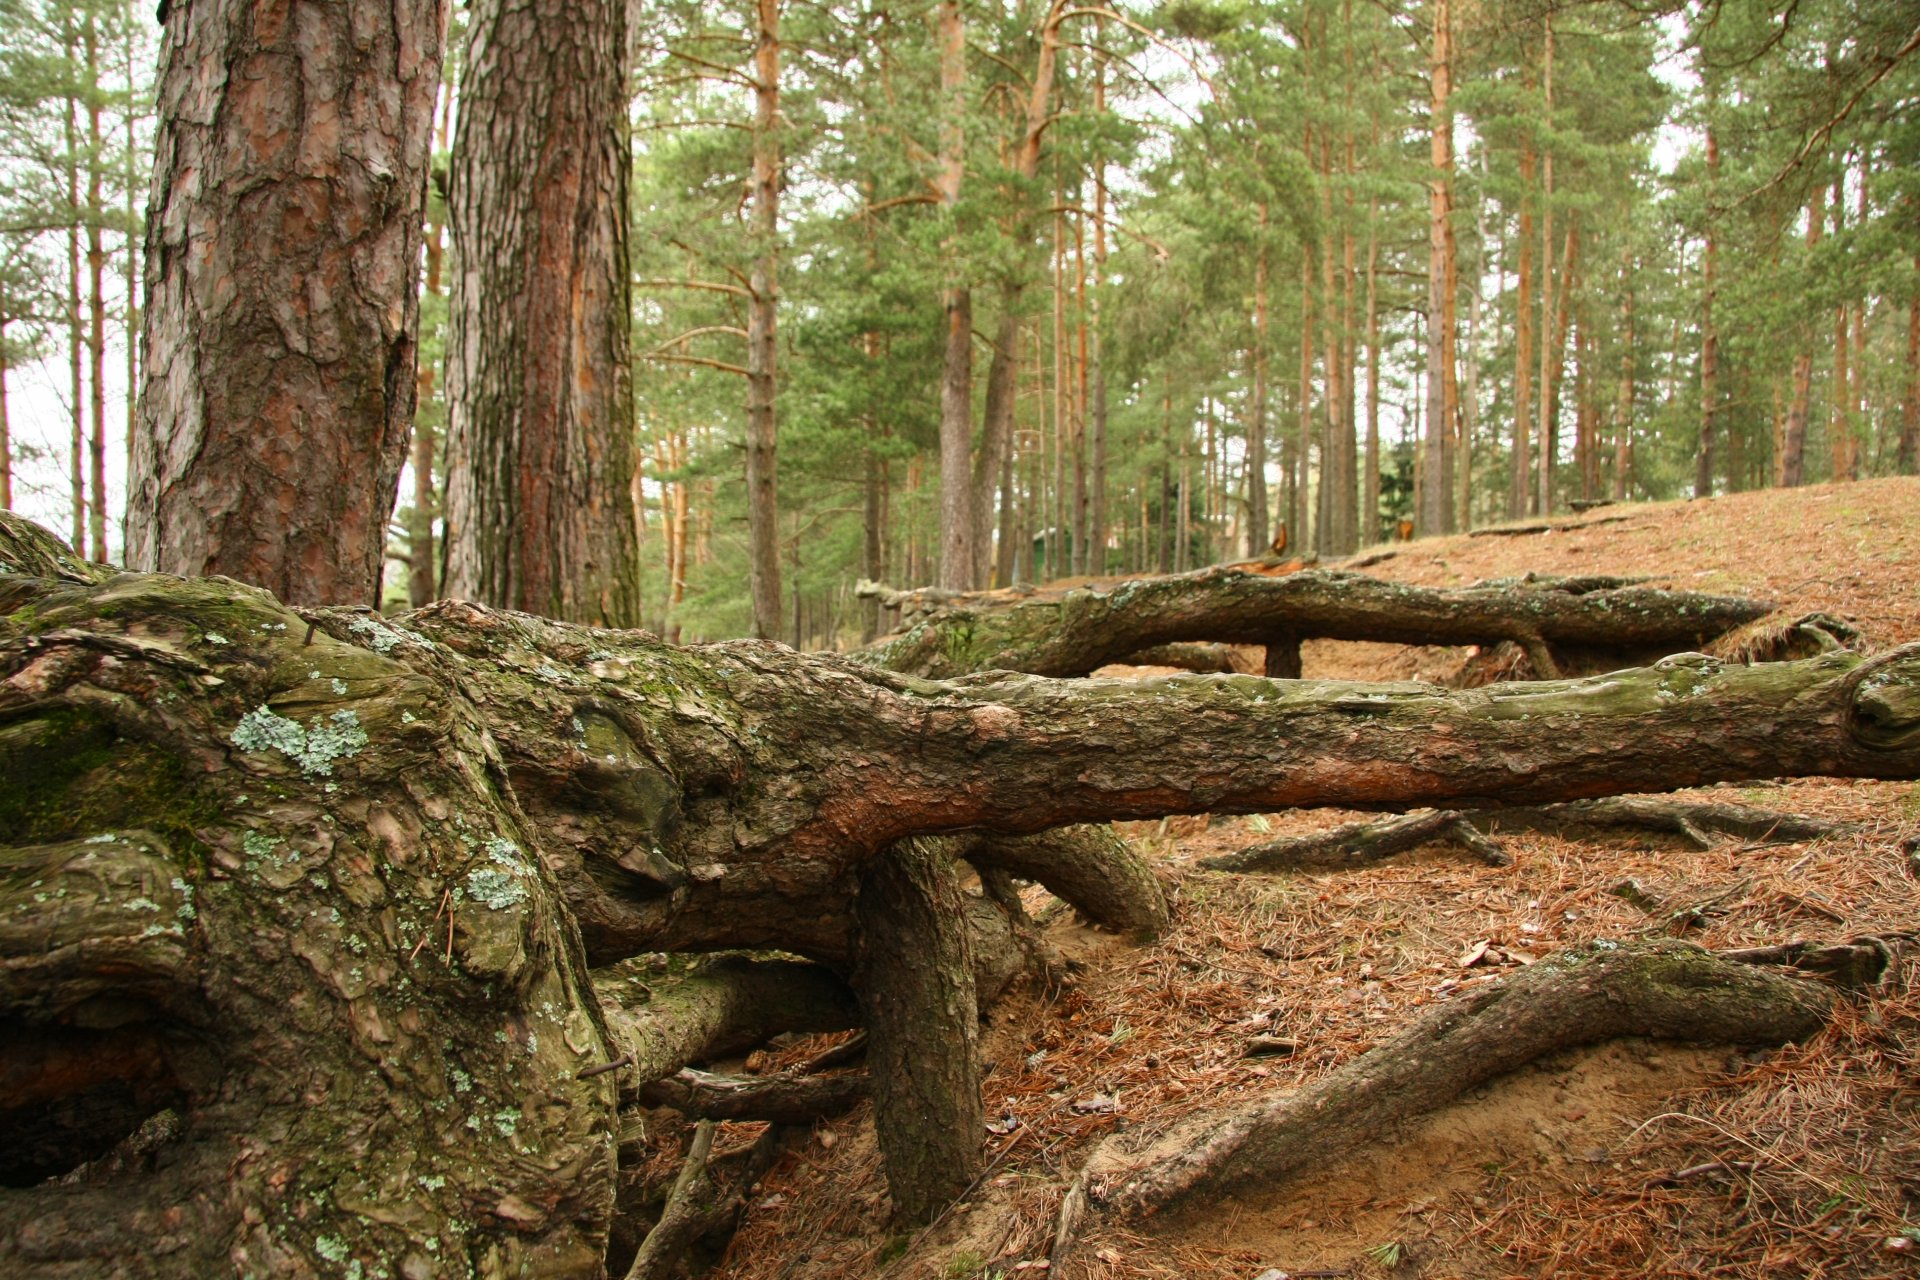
[[381, 637], [499, 890], [314, 746]]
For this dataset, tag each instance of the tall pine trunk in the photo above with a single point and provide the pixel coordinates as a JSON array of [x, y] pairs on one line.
[[1791, 465], [424, 560], [77, 409], [539, 389], [1436, 487], [1909, 456], [1841, 444], [1520, 480], [1096, 370], [956, 385], [96, 298], [6, 427], [1549, 316], [1709, 339], [1623, 424], [278, 356], [763, 512], [1257, 517]]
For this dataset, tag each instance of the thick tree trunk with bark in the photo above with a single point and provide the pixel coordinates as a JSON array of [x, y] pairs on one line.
[[282, 256], [539, 389], [312, 895], [1079, 631]]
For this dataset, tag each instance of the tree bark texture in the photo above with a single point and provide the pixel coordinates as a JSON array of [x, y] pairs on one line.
[[279, 323], [914, 973], [310, 880], [1074, 633], [539, 391]]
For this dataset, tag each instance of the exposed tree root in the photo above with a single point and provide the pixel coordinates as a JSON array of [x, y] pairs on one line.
[[1089, 866], [1358, 844], [728, 1004], [703, 1201], [1662, 989], [1073, 633], [1783, 639], [1196, 656], [915, 979], [782, 1099], [1361, 843]]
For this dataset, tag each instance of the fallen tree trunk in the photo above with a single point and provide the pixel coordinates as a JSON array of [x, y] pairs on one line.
[[1073, 633], [329, 884], [1664, 990]]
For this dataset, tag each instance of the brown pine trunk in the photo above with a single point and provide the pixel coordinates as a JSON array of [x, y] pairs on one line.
[[278, 356], [130, 266], [96, 300], [1081, 556], [1909, 458], [1840, 442], [77, 408], [1096, 371], [1257, 517], [1709, 340], [1586, 443], [1549, 321], [1437, 469], [1519, 486], [423, 583], [1300, 508], [540, 404], [977, 505], [1793, 444], [1555, 353], [956, 387], [1623, 409], [6, 428], [763, 514], [1370, 503]]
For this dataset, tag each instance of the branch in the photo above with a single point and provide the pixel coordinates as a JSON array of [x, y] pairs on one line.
[[709, 286], [701, 361]]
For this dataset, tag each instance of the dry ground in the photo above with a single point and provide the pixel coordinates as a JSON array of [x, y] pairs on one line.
[[1633, 1159]]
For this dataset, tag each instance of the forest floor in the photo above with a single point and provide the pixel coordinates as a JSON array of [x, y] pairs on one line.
[[1631, 1159]]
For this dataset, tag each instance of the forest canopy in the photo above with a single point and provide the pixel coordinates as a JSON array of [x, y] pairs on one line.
[[1341, 248]]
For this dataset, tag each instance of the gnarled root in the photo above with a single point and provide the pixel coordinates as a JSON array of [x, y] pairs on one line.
[[1357, 844], [1664, 989], [1089, 866]]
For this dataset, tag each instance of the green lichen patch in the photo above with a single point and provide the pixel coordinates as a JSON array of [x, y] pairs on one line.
[[495, 889], [381, 637], [314, 746]]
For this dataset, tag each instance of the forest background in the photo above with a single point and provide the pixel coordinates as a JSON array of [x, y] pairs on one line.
[[1215, 271]]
